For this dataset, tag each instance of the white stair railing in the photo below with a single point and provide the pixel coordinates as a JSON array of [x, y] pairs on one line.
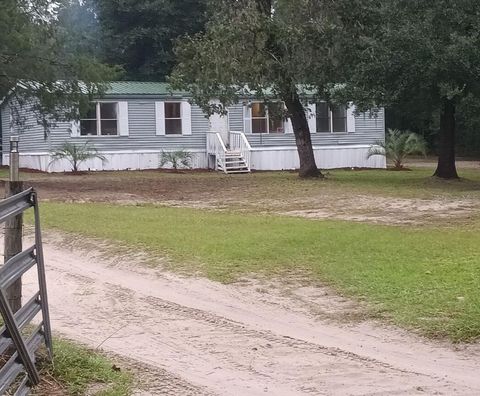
[[239, 142], [216, 146]]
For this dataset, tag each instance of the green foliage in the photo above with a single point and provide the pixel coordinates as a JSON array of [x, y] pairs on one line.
[[398, 146], [80, 28], [413, 275], [245, 50], [420, 57], [282, 50], [468, 126], [51, 81], [77, 368], [75, 154], [177, 159], [418, 53], [139, 34]]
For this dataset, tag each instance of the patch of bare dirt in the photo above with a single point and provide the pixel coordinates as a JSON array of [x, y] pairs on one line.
[[382, 210], [248, 339], [260, 192], [277, 192], [432, 163]]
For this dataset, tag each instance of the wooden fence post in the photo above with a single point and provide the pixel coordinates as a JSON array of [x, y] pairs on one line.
[[14, 227]]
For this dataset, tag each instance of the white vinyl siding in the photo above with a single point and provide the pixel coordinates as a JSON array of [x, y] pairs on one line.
[[143, 114]]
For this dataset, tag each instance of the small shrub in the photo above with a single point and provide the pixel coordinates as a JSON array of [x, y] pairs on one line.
[[399, 145], [75, 154], [178, 159]]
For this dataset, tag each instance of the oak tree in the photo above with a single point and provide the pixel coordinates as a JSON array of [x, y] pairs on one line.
[[139, 35], [424, 54], [267, 49], [37, 70]]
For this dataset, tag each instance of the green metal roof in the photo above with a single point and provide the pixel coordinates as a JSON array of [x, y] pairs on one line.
[[140, 88], [145, 88]]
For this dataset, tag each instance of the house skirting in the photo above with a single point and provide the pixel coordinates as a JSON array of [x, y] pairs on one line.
[[118, 160], [262, 158], [327, 157]]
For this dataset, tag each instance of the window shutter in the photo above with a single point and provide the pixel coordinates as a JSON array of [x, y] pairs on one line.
[[312, 117], [247, 118], [351, 118], [10, 124], [160, 118], [287, 124], [74, 128], [186, 113], [123, 118]]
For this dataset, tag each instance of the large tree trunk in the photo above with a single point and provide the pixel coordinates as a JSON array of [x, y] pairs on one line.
[[446, 145], [308, 167], [289, 95]]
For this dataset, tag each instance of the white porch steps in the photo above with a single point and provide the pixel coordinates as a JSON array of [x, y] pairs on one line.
[[233, 156], [233, 163]]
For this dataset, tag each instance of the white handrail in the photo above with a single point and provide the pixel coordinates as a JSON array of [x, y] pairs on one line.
[[216, 146], [239, 142]]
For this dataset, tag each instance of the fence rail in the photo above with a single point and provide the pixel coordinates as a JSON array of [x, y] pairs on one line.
[[22, 360]]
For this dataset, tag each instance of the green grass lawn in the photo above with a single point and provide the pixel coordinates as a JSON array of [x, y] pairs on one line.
[[416, 183], [424, 278], [79, 370]]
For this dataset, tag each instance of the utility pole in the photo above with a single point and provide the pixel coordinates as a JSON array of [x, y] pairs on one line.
[[14, 226]]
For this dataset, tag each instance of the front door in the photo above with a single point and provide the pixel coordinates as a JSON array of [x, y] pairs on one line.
[[220, 124]]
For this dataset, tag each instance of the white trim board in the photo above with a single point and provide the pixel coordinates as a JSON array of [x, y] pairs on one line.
[[323, 147], [119, 152]]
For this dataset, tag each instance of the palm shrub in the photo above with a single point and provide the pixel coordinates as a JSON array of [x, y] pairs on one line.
[[75, 154], [177, 159], [399, 145]]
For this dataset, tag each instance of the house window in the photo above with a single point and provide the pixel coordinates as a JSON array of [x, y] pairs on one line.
[[323, 117], [331, 118], [259, 118], [100, 120], [339, 119], [276, 117], [173, 118], [267, 119]]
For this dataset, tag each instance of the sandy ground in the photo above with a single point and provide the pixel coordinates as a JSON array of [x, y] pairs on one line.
[[432, 162], [190, 336], [383, 210], [272, 193], [428, 202]]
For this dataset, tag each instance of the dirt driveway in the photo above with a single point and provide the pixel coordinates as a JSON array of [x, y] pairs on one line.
[[202, 338]]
